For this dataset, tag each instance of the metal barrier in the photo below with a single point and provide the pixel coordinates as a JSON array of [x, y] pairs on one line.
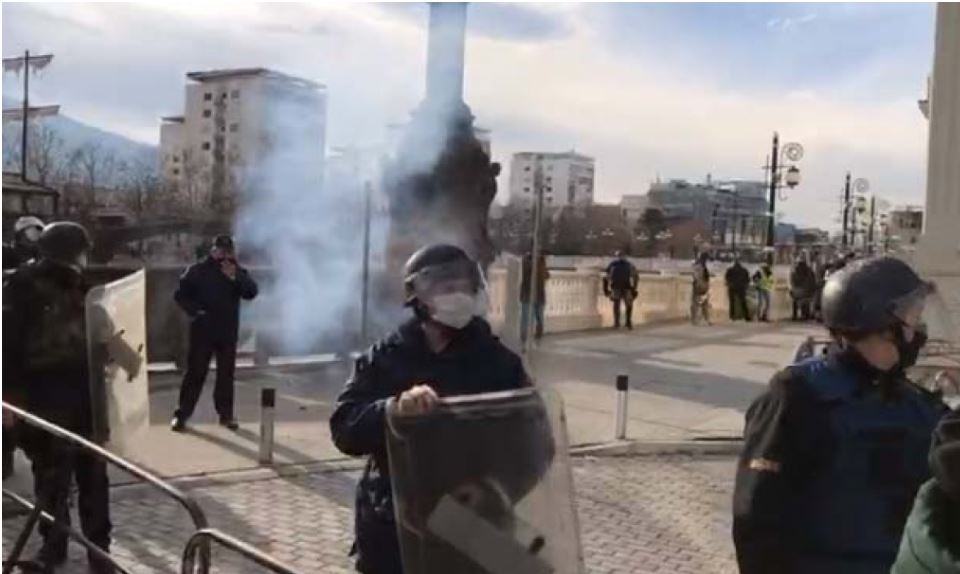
[[193, 509], [36, 513], [201, 538]]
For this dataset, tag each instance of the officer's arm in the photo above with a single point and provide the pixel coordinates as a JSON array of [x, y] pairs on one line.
[[185, 295], [246, 286], [761, 493], [358, 422]]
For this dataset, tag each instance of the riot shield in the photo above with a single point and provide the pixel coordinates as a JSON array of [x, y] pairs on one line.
[[116, 347], [483, 486]]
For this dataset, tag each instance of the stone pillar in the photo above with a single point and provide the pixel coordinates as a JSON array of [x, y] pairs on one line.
[[938, 253]]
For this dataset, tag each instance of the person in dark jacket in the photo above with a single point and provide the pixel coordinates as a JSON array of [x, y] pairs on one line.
[[445, 349], [26, 234], [835, 450], [538, 303], [738, 281], [620, 286], [46, 372], [210, 293], [931, 538], [803, 288]]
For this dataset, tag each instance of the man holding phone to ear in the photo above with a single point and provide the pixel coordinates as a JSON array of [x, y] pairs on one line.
[[210, 293]]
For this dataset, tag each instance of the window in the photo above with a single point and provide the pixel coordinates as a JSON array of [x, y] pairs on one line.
[[526, 168], [206, 113], [235, 94], [206, 145], [207, 96], [176, 171], [234, 127], [526, 190], [176, 158]]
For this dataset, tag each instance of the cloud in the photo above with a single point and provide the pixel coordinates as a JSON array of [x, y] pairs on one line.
[[789, 23]]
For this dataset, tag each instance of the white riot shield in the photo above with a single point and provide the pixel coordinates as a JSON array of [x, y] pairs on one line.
[[116, 344], [483, 486]]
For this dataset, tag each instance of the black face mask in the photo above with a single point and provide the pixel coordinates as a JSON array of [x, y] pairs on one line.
[[910, 350]]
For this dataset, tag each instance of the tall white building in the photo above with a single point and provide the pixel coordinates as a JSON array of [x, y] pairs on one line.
[[567, 178], [234, 121]]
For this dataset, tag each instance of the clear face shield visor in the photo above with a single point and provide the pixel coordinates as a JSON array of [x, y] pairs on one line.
[[447, 278], [908, 309]]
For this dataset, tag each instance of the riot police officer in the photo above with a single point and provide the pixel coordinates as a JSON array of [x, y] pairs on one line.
[[835, 450], [46, 364], [446, 348], [23, 248]]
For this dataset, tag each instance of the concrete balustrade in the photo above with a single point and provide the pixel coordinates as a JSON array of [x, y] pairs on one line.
[[576, 302]]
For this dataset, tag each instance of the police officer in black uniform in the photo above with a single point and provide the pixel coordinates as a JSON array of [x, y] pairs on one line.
[[835, 450], [210, 294], [445, 349], [620, 286], [45, 361]]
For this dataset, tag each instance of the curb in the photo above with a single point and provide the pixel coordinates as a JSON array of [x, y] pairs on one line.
[[654, 448]]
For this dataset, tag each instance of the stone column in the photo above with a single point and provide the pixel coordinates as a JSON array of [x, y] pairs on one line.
[[938, 253]]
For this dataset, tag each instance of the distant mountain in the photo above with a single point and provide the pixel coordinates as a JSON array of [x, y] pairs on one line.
[[75, 134]]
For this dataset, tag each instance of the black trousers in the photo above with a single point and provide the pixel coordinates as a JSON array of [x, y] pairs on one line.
[[56, 464], [203, 347], [738, 304], [626, 297]]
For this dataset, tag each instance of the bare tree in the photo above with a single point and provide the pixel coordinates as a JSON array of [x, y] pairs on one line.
[[45, 153]]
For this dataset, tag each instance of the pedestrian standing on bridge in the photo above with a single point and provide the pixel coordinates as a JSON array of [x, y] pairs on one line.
[[738, 281], [46, 371], [445, 349], [210, 294], [537, 304], [620, 284], [700, 290], [835, 450]]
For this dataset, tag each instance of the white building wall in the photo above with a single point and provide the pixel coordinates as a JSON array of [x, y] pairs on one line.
[[568, 179]]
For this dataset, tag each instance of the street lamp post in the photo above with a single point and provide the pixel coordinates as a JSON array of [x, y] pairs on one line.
[[792, 152], [858, 187]]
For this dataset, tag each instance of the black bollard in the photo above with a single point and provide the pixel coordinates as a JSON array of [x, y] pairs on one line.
[[268, 400], [622, 384]]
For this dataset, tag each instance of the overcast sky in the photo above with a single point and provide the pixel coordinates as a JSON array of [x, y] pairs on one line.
[[677, 90]]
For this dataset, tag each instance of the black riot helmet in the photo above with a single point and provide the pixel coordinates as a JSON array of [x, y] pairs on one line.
[[431, 265], [64, 241], [870, 295]]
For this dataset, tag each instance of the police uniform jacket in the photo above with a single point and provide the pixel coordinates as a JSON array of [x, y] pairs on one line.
[[831, 463], [474, 362]]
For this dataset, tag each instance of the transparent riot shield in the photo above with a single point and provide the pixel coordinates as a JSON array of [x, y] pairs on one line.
[[483, 486], [116, 347]]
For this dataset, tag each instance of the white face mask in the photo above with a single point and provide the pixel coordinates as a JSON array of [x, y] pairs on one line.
[[454, 310]]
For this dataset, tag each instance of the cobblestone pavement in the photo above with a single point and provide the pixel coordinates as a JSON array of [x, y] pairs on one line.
[[637, 515]]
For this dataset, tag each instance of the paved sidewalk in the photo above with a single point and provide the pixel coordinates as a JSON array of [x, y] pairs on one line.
[[638, 515]]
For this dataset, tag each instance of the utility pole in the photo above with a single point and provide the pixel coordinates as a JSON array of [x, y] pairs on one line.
[[535, 251], [774, 178], [15, 65], [846, 209]]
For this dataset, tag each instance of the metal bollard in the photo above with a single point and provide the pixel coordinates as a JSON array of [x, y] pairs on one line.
[[268, 400], [622, 383]]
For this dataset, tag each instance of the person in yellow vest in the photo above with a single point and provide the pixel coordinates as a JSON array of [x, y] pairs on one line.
[[763, 282]]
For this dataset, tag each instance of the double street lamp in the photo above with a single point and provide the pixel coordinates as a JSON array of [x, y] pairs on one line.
[[781, 173]]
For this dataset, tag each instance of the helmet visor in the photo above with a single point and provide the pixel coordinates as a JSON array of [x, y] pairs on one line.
[[450, 277], [908, 308]]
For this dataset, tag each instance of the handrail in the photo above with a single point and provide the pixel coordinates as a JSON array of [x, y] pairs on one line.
[[204, 534], [77, 536], [189, 504]]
